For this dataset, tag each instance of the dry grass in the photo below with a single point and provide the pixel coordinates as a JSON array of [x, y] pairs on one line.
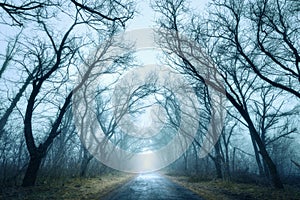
[[226, 190], [72, 189]]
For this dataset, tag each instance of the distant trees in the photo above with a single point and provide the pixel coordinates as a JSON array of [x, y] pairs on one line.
[[8, 59]]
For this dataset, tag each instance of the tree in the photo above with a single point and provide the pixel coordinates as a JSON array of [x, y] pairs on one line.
[[55, 53], [204, 53], [23, 11], [270, 47], [271, 118], [226, 138], [8, 58], [116, 103]]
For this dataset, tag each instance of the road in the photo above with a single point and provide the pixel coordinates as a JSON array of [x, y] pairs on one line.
[[152, 187]]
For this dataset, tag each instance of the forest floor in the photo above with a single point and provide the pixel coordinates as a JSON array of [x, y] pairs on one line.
[[227, 190], [70, 189], [99, 187]]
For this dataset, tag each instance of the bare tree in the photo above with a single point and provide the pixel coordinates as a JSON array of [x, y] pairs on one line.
[[270, 47], [271, 118], [195, 62], [55, 53], [11, 49], [22, 11], [115, 103], [226, 136]]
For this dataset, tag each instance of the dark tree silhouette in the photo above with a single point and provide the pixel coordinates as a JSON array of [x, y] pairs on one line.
[[196, 56]]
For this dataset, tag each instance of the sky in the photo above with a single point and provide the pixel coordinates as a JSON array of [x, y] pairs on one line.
[[145, 18]]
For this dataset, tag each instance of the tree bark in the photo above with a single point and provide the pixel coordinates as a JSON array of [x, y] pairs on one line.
[[218, 161], [265, 155], [258, 161], [85, 162], [32, 170]]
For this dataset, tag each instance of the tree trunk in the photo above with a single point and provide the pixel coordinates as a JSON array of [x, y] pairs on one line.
[[266, 170], [265, 155], [233, 160], [85, 162], [83, 168], [38, 153], [258, 161], [185, 162], [32, 171], [295, 163], [226, 164], [272, 169], [196, 157], [218, 169], [12, 105], [217, 160]]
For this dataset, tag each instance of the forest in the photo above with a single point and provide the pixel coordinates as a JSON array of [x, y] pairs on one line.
[[221, 102]]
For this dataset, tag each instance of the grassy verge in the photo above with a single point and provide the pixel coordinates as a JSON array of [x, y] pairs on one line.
[[71, 189], [226, 190]]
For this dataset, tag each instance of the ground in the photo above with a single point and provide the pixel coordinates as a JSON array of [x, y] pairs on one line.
[[227, 190], [70, 189], [144, 187]]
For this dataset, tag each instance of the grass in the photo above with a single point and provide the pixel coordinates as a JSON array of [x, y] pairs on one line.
[[71, 189], [97, 188], [227, 190]]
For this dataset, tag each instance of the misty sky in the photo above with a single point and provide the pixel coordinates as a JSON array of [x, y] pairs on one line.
[[145, 18]]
